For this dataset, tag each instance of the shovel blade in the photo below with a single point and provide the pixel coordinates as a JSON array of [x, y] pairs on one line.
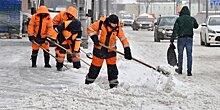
[[164, 71]]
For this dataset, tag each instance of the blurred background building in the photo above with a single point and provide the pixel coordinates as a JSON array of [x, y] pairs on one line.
[[91, 10]]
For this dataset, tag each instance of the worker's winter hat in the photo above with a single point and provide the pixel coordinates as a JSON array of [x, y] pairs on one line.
[[113, 19]]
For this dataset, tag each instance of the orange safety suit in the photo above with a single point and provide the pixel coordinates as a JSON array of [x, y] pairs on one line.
[[69, 33], [107, 35], [58, 20], [39, 29]]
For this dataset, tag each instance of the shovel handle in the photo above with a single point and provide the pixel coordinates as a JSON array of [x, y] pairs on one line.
[[69, 52], [47, 52], [132, 57]]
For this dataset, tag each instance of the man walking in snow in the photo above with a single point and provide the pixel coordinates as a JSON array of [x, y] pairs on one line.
[[183, 28], [106, 34]]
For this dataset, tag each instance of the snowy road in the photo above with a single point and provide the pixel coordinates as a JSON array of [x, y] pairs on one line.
[[25, 88]]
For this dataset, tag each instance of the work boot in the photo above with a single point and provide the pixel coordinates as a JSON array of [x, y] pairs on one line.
[[179, 71], [113, 85], [34, 65], [88, 82], [69, 57], [189, 73], [47, 66], [34, 60], [77, 65], [59, 66], [59, 69], [46, 59]]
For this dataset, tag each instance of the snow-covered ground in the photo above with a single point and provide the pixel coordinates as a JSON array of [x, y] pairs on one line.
[[140, 88]]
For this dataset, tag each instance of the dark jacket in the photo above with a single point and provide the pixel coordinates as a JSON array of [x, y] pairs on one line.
[[184, 25]]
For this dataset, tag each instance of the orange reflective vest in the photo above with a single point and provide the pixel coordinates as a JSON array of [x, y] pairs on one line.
[[47, 24], [61, 17], [72, 30], [107, 35]]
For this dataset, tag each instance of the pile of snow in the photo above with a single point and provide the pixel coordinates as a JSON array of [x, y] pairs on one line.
[[140, 89]]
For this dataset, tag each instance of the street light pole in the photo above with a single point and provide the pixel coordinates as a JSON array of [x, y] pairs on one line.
[[174, 7], [199, 6], [101, 8], [107, 7], [139, 7], [190, 6], [207, 8]]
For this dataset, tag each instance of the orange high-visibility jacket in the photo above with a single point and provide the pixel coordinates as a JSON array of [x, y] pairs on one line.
[[102, 35], [61, 17], [71, 29], [47, 24]]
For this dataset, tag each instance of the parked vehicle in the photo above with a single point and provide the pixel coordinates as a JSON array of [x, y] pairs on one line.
[[127, 20], [210, 31], [143, 23], [164, 27]]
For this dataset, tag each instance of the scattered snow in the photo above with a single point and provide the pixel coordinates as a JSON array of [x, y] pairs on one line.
[[140, 88]]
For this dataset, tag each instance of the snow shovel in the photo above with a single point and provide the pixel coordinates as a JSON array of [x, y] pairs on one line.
[[171, 55], [88, 55], [68, 51], [47, 52], [156, 69]]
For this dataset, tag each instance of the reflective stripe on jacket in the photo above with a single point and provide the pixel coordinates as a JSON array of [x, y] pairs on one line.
[[47, 24], [105, 38], [71, 30]]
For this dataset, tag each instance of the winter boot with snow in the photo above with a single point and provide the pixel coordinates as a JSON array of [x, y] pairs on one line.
[[59, 66], [88, 82], [113, 85], [77, 64], [34, 58], [189, 73], [179, 71], [46, 60]]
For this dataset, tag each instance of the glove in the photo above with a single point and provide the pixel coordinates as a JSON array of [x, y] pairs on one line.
[[95, 40], [31, 38], [39, 40], [127, 52], [74, 54]]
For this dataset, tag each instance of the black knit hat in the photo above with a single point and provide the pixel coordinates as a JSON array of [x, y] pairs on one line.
[[113, 19]]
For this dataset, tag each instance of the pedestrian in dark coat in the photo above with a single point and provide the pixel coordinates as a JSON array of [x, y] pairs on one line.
[[183, 28]]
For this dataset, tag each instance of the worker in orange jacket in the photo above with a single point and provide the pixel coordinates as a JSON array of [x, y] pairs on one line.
[[106, 34], [69, 14], [39, 29], [69, 31]]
